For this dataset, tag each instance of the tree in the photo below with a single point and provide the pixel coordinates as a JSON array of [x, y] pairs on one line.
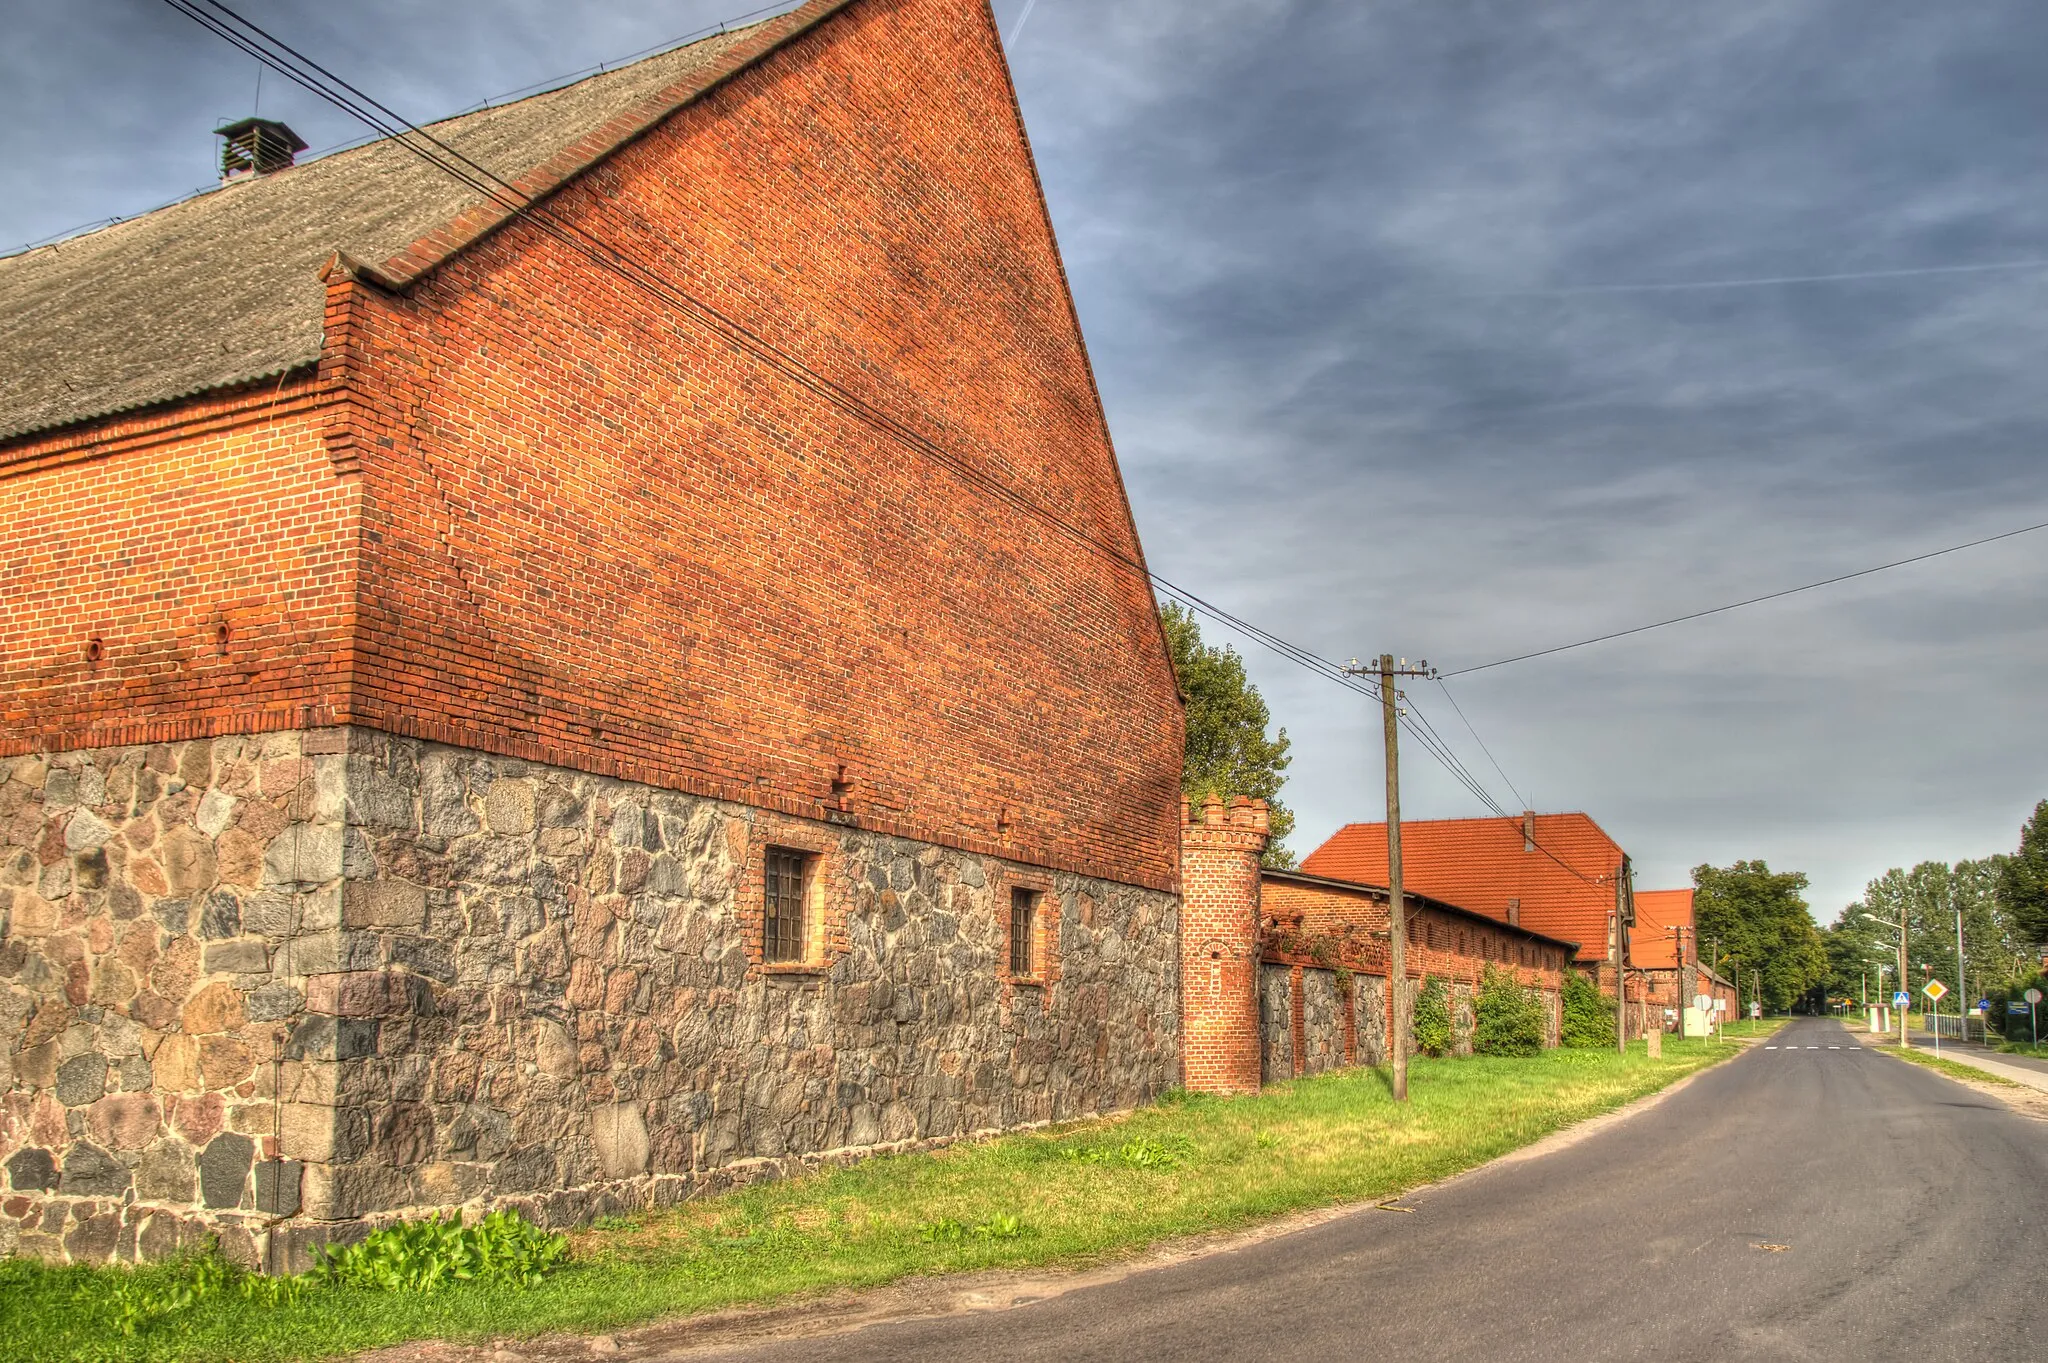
[[2023, 882], [1927, 899], [1761, 921], [1227, 751]]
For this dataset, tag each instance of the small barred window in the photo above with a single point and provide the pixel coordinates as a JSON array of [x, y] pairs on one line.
[[1024, 932], [786, 933]]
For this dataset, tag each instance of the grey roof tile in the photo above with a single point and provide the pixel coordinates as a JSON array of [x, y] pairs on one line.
[[224, 288]]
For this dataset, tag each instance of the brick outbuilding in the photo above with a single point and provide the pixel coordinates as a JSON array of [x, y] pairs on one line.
[[1287, 973], [573, 706]]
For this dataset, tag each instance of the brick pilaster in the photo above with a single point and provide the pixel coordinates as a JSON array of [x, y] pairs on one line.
[[1219, 872]]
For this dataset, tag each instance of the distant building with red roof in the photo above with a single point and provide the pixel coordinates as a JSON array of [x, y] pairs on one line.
[[1550, 873]]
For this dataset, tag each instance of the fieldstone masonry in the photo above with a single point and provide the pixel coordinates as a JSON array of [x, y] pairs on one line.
[[478, 981]]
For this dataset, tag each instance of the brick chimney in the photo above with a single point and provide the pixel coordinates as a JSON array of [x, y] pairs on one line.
[[1528, 830], [1219, 957]]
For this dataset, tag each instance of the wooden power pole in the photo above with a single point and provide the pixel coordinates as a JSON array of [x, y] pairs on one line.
[[1397, 902], [1387, 671]]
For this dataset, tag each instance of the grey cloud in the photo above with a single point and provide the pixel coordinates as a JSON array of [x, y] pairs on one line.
[[1296, 230]]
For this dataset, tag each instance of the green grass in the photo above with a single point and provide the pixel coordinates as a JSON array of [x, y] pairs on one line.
[[1952, 1068], [2023, 1048], [1086, 1193]]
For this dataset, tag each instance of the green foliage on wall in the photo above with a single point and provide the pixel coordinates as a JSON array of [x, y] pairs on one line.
[[1433, 1018], [1588, 1013], [1510, 1017]]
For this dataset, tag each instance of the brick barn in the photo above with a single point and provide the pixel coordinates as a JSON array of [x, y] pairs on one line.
[[477, 728]]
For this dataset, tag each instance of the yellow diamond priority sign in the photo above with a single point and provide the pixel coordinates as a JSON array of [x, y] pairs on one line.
[[1935, 990]]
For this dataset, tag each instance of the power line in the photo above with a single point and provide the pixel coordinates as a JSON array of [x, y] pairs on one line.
[[1694, 285], [1751, 601], [1480, 741], [390, 125]]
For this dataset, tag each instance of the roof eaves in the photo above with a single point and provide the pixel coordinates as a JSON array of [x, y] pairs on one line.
[[473, 224], [39, 432]]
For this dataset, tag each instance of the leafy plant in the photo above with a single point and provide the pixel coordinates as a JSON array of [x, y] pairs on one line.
[[1149, 1152], [1001, 1226], [425, 1256], [1510, 1018], [1588, 1013], [1433, 1017]]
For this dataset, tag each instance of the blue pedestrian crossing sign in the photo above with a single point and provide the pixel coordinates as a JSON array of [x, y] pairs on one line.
[[1901, 998]]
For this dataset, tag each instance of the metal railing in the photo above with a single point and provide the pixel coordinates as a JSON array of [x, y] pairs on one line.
[[1952, 1028]]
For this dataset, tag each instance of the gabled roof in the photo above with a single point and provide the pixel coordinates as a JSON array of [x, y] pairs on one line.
[[1564, 887], [1650, 946], [225, 288]]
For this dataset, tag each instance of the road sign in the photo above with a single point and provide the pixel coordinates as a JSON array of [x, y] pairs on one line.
[[1900, 998], [1756, 1010], [2017, 1007], [1703, 1002], [1935, 990], [1983, 1005], [2033, 996]]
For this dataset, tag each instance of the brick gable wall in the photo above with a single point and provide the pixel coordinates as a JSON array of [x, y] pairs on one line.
[[596, 535]]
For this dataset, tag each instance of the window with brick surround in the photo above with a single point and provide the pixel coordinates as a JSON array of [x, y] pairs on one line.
[[785, 935], [1024, 961]]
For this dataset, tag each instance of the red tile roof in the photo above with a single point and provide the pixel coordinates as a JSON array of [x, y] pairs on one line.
[[1650, 947], [1565, 887]]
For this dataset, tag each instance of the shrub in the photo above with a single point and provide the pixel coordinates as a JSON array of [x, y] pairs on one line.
[[1433, 1018], [1510, 1017], [1588, 1013], [422, 1256]]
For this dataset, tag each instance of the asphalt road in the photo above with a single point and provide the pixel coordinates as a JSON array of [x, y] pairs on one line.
[[1915, 1212]]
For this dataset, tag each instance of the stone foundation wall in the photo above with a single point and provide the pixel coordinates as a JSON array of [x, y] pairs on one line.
[[479, 980], [1318, 1041], [1276, 1024], [160, 909], [1369, 1013]]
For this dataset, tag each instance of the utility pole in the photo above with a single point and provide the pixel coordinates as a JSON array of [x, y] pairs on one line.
[[1387, 671], [1619, 940], [1962, 994]]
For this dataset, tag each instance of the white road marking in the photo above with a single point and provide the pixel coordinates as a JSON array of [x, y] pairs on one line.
[[1770, 1048], [1855, 1048], [1813, 1048], [1834, 1048]]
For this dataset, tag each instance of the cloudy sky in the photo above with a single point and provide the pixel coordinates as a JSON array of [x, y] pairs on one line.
[[1456, 328]]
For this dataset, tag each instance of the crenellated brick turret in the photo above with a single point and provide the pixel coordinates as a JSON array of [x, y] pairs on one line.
[[1219, 872]]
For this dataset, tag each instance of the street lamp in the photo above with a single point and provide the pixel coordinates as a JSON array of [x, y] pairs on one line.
[[1900, 927]]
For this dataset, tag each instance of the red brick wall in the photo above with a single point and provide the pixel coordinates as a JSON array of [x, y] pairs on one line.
[[179, 573], [1219, 925], [596, 534]]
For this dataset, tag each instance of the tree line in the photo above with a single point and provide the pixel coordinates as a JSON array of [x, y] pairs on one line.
[[2002, 902]]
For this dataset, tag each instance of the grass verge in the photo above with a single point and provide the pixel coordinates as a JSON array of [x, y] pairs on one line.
[[1082, 1194], [1952, 1068]]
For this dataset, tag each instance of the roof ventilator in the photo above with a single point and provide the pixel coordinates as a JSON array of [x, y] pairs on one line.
[[256, 146]]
